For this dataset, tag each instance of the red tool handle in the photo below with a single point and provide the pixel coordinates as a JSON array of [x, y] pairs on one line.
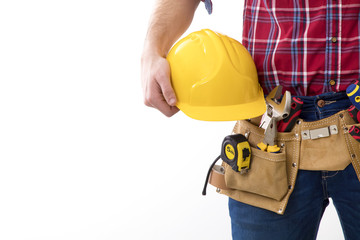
[[288, 123], [355, 133], [354, 113]]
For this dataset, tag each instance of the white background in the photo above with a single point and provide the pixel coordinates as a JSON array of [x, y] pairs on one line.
[[81, 156]]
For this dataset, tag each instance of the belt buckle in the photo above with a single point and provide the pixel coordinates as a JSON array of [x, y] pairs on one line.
[[319, 132]]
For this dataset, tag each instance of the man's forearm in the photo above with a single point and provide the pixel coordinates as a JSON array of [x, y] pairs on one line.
[[168, 22]]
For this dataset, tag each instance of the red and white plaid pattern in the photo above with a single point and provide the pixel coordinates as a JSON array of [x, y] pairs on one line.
[[308, 46]]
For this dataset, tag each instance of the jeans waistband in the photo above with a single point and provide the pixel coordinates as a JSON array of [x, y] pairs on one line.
[[323, 105]]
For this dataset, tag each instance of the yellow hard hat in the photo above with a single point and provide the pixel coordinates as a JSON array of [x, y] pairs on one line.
[[214, 78]]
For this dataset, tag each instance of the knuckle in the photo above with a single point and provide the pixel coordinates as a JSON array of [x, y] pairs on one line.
[[162, 77], [147, 101], [168, 92], [169, 114], [152, 76]]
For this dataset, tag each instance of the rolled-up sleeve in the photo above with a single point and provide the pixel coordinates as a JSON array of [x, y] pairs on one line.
[[208, 5]]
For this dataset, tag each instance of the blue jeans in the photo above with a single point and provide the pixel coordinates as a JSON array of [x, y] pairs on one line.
[[310, 196]]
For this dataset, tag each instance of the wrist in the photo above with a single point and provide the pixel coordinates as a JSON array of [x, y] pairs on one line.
[[156, 45], [151, 53]]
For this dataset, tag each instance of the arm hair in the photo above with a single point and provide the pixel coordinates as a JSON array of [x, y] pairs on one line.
[[169, 20]]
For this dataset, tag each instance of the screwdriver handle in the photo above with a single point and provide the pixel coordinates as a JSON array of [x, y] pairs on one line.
[[354, 113], [355, 133], [288, 123], [353, 92]]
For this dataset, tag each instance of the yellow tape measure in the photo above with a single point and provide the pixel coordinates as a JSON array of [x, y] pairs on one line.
[[236, 152]]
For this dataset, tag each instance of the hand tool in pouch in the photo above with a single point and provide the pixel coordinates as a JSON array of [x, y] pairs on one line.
[[354, 113], [288, 123], [276, 111], [354, 94], [236, 152], [355, 133]]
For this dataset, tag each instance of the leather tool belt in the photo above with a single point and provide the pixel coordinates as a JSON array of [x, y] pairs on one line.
[[320, 145]]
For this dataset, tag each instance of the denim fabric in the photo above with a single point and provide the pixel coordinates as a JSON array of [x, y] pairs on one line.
[[334, 102], [310, 196]]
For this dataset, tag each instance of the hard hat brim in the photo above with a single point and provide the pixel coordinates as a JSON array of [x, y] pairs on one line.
[[225, 113]]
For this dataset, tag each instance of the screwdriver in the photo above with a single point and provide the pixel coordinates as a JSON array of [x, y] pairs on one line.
[[355, 133], [354, 113], [354, 94]]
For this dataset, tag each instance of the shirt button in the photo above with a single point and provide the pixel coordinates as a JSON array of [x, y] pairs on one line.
[[332, 82], [321, 103], [334, 39]]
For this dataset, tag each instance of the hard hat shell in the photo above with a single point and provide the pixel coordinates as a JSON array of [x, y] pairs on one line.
[[214, 78]]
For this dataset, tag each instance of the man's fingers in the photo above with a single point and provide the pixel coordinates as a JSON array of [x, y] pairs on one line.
[[163, 79], [158, 92], [169, 95], [155, 98], [168, 110]]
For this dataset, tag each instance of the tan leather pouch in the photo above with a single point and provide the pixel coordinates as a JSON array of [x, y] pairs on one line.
[[271, 177], [267, 175], [325, 152]]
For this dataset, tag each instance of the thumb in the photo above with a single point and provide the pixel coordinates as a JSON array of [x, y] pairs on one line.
[[169, 93], [166, 88]]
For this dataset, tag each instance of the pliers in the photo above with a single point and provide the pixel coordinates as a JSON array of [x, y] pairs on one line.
[[275, 112]]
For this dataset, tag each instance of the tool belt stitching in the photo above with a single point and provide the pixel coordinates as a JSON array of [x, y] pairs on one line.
[[272, 160], [293, 178], [287, 139], [312, 124], [281, 139], [352, 147]]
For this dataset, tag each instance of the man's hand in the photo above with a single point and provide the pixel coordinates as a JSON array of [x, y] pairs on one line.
[[157, 89], [168, 22]]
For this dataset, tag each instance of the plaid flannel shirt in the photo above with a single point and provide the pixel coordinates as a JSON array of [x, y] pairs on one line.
[[308, 46]]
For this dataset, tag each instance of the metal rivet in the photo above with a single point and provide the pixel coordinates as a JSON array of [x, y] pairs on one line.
[[280, 210], [247, 134], [290, 187], [222, 170], [341, 115], [282, 144], [296, 135], [218, 190], [294, 164], [353, 155], [345, 128], [298, 121], [321, 103]]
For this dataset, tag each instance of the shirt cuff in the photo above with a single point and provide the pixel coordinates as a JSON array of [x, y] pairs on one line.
[[208, 5]]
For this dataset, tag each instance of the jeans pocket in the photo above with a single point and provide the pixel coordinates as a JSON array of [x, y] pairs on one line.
[[267, 175]]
